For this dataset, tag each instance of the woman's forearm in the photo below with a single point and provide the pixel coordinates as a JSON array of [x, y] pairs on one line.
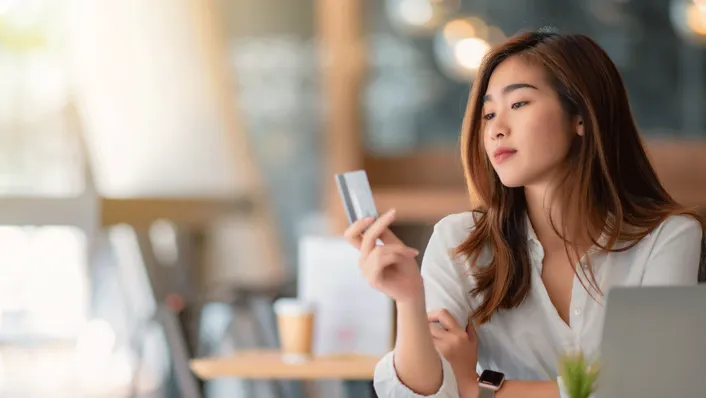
[[513, 389], [529, 389], [417, 362]]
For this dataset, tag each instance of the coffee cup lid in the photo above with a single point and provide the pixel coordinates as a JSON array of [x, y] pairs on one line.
[[293, 306]]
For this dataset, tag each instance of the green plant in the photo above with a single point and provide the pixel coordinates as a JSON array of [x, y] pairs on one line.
[[578, 376]]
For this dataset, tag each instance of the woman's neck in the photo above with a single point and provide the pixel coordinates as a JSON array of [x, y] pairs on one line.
[[538, 199]]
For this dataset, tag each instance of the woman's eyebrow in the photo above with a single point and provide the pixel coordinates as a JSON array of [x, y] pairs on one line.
[[508, 89]]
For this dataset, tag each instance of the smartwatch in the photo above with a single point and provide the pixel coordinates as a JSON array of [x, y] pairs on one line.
[[489, 382]]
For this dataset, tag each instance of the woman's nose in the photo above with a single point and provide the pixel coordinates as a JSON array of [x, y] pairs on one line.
[[499, 129]]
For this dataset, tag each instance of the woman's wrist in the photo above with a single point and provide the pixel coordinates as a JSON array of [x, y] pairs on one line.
[[412, 315], [414, 304], [468, 385], [417, 362]]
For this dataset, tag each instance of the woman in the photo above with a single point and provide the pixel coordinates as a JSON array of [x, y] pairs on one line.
[[566, 206]]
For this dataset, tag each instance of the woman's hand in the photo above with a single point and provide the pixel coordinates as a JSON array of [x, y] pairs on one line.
[[459, 347], [390, 268]]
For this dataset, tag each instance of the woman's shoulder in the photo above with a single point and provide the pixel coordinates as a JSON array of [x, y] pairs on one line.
[[679, 224], [456, 226], [675, 228], [452, 230]]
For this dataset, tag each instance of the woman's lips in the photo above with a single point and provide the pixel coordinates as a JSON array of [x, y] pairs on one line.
[[503, 154]]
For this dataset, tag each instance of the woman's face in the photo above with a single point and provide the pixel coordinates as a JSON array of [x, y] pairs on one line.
[[527, 133]]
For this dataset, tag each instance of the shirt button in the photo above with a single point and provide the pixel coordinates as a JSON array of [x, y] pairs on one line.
[[577, 311]]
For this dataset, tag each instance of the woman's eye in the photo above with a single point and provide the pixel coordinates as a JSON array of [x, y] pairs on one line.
[[488, 116], [519, 104]]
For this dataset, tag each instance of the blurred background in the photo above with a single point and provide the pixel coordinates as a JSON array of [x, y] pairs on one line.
[[160, 159]]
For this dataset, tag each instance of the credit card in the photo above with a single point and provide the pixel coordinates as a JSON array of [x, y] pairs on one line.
[[356, 195]]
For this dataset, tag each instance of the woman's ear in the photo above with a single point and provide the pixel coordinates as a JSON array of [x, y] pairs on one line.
[[579, 127]]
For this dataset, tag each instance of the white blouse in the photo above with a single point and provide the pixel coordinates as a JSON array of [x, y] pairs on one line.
[[525, 342]]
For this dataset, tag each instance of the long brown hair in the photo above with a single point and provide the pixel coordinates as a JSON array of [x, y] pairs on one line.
[[608, 187]]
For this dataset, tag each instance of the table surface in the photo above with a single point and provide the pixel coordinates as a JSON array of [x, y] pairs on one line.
[[268, 364]]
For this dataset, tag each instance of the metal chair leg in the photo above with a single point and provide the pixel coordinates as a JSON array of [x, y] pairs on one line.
[[177, 339]]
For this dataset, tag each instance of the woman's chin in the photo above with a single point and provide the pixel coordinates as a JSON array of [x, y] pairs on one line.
[[512, 181]]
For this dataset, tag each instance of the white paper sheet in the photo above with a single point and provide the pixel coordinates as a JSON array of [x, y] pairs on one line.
[[351, 317]]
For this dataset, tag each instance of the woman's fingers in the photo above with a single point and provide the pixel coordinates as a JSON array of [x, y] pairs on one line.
[[366, 240], [373, 269], [444, 318], [389, 254], [433, 316], [442, 339], [471, 330], [437, 332], [382, 257], [405, 251], [354, 233], [448, 321], [378, 230]]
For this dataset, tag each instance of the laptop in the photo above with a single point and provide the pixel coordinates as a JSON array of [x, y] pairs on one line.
[[654, 343]]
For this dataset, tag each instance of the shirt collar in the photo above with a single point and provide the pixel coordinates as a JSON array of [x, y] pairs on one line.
[[532, 236]]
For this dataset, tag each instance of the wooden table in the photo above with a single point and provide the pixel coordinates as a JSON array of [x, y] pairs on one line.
[[356, 371]]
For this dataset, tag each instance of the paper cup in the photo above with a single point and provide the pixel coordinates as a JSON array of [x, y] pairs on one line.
[[295, 324]]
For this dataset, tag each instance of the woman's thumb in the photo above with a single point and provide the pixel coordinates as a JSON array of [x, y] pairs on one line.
[[470, 329]]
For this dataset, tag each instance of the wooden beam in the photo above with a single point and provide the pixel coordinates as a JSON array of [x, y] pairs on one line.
[[210, 34], [141, 213], [263, 229], [429, 167], [422, 205], [342, 62]]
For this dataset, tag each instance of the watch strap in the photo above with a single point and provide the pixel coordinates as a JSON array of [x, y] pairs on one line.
[[486, 393]]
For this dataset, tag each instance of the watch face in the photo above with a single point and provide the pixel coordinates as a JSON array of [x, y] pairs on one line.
[[492, 378]]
